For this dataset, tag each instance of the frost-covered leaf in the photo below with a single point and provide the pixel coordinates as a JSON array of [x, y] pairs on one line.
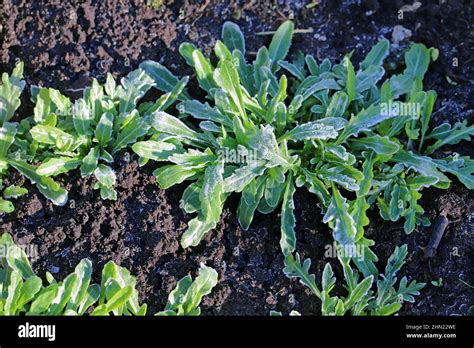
[[103, 130], [378, 144], [295, 269], [343, 225], [243, 176], [459, 132], [156, 150], [212, 202], [326, 128], [288, 234]]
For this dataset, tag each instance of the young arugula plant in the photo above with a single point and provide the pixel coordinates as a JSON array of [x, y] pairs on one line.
[[88, 133], [22, 292], [236, 147], [361, 298], [14, 150], [270, 126]]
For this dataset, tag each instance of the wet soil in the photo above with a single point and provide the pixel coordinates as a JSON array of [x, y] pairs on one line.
[[66, 44]]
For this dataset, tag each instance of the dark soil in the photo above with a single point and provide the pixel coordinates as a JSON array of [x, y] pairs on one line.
[[66, 44]]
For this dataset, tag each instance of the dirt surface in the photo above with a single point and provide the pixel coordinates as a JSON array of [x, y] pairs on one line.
[[66, 44]]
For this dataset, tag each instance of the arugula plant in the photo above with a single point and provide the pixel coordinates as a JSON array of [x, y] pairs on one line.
[[23, 292], [365, 295], [328, 127], [88, 133], [14, 152]]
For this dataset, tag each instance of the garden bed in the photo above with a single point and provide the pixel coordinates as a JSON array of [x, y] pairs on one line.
[[66, 45]]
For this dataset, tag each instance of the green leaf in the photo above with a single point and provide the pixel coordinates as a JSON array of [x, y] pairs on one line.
[[193, 159], [118, 300], [378, 144], [421, 164], [288, 236], [243, 176], [81, 117], [350, 80], [341, 175], [47, 186], [204, 71], [165, 123], [292, 69], [398, 197], [186, 50], [266, 146], [133, 88], [233, 37], [412, 212], [203, 112], [105, 175], [187, 295], [376, 55], [51, 135], [462, 168], [360, 291], [426, 114], [130, 133], [29, 289], [14, 191], [459, 132], [90, 161], [343, 225], [55, 166], [281, 42], [358, 211], [156, 150], [313, 84], [294, 269], [43, 301], [317, 187], [7, 137], [164, 80], [6, 206], [103, 130], [251, 196], [417, 59], [364, 121], [326, 128], [10, 91], [79, 291], [227, 77], [338, 105], [389, 309], [212, 202], [171, 175], [107, 192]]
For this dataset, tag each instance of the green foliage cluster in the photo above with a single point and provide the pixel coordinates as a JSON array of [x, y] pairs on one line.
[[354, 137], [23, 292]]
